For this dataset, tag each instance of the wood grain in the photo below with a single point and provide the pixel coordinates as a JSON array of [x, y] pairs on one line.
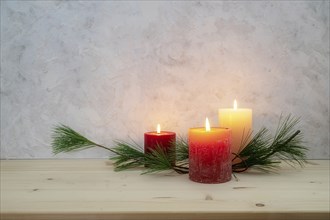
[[90, 189]]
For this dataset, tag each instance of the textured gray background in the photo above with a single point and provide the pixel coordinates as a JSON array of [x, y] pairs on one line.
[[112, 70]]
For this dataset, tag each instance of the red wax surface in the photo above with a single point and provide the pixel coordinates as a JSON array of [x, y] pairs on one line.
[[165, 139], [210, 155]]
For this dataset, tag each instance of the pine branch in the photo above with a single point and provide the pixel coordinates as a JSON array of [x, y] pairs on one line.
[[263, 152], [158, 160], [65, 139], [132, 156], [127, 155], [182, 150]]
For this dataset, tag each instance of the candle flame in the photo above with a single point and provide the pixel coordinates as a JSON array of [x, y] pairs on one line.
[[158, 128], [235, 104], [207, 125]]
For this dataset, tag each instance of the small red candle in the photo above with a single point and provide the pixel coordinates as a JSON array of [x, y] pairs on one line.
[[209, 154], [163, 139]]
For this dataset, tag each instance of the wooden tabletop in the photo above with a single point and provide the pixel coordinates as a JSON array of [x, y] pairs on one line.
[[90, 189]]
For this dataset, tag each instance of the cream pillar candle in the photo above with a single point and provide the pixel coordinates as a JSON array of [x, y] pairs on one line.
[[239, 120]]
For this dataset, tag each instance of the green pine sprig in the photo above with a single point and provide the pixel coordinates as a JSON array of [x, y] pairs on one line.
[[65, 139], [262, 152], [182, 152], [127, 155]]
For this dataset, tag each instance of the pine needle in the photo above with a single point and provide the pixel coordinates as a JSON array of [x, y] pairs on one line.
[[127, 156], [66, 139], [158, 160], [182, 149]]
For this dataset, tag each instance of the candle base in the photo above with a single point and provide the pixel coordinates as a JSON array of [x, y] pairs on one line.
[[211, 176], [208, 181]]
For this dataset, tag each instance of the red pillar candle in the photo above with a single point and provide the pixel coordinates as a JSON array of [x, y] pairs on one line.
[[163, 139], [209, 154]]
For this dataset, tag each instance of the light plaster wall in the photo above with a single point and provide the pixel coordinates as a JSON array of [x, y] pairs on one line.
[[113, 69]]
